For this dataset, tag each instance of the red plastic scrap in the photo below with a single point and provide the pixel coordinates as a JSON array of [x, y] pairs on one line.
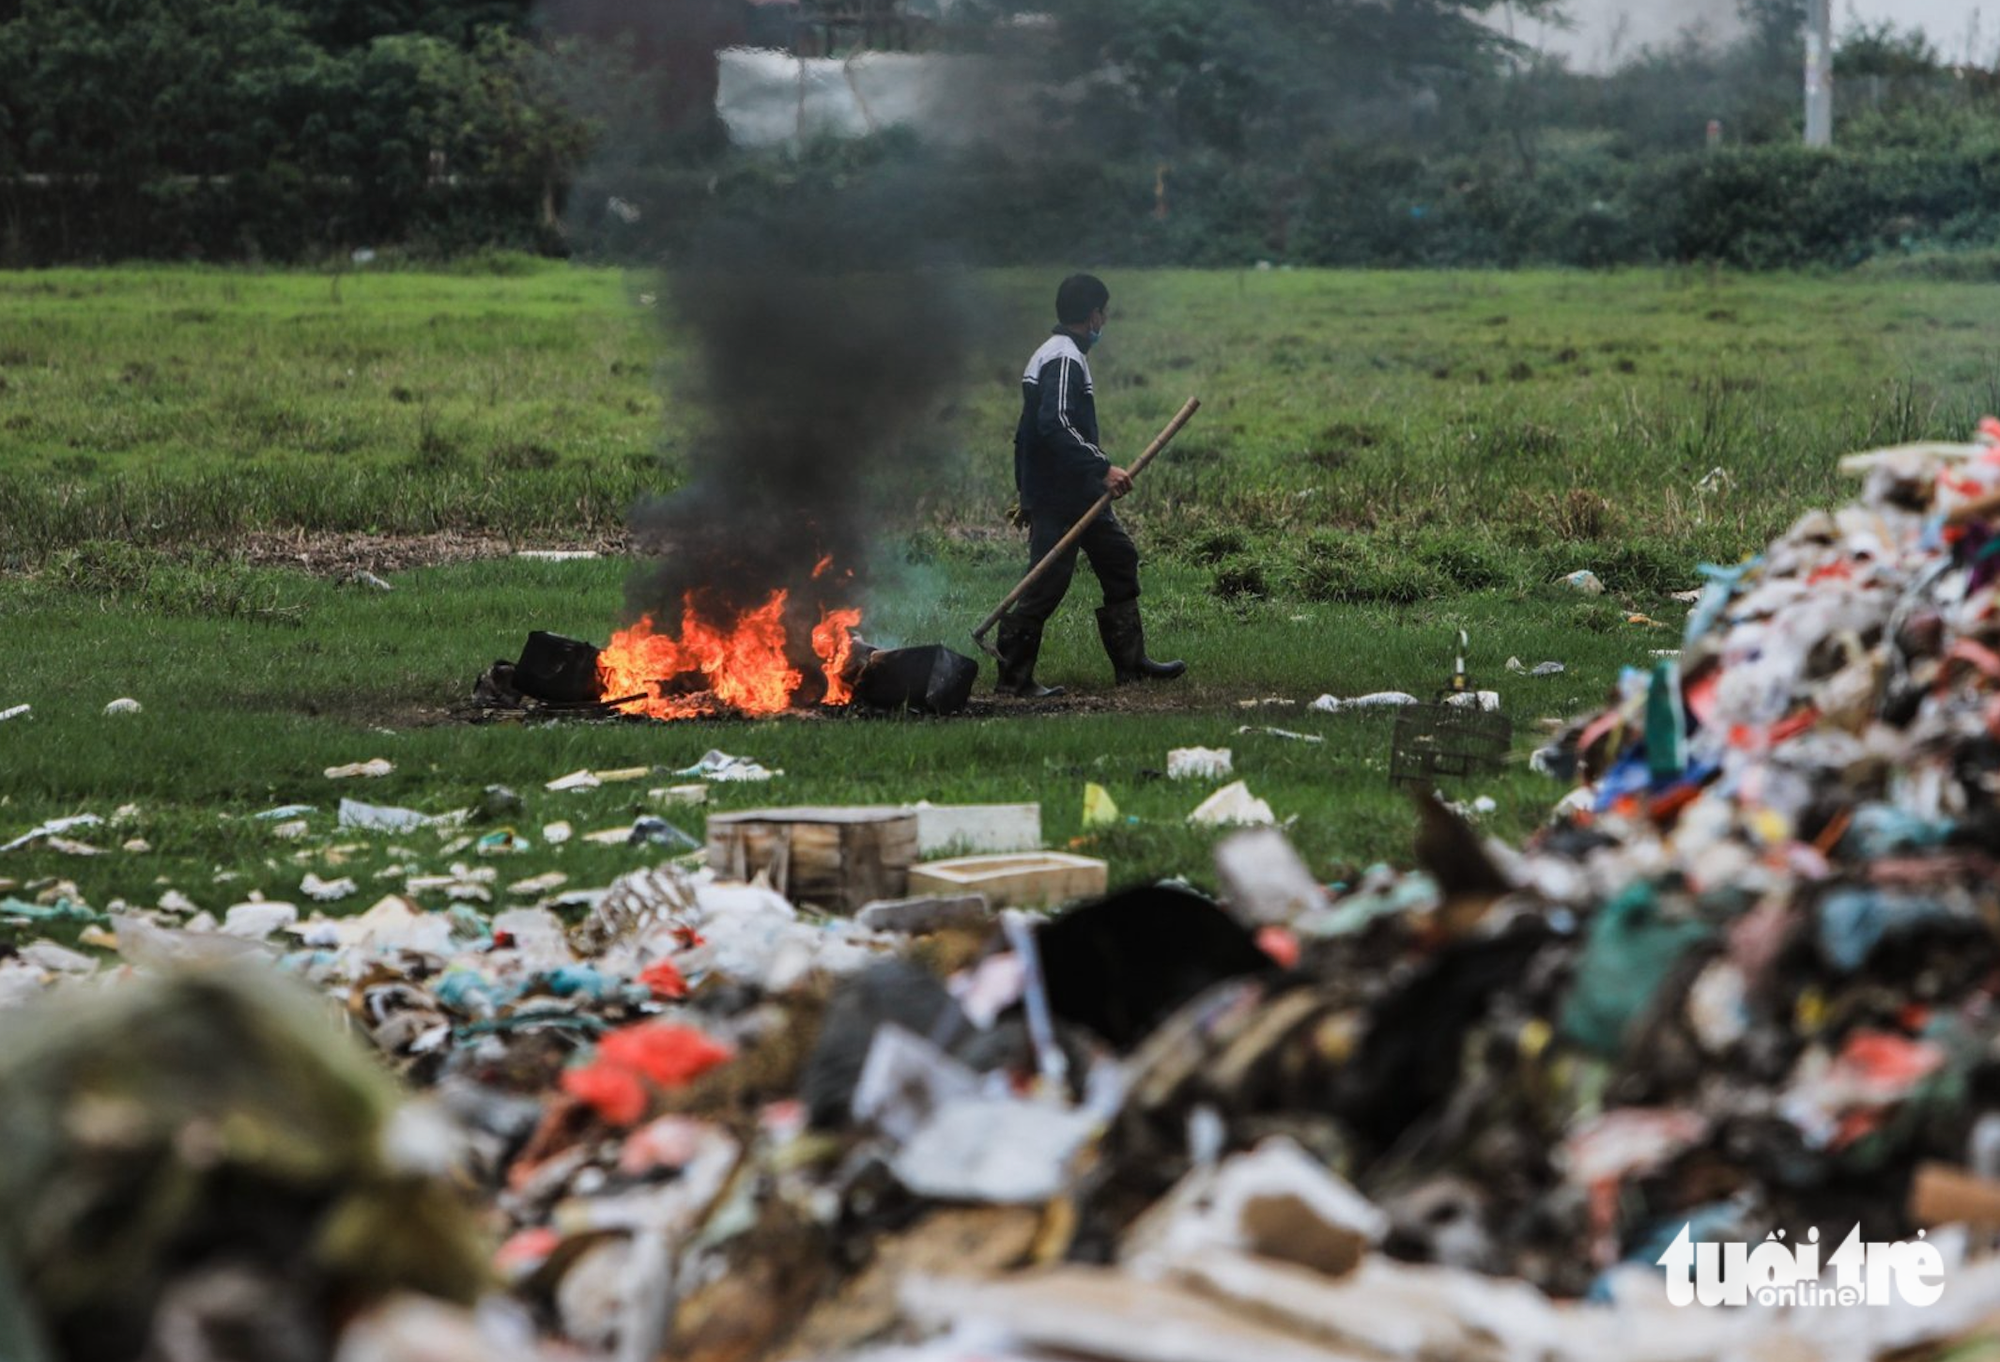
[[1701, 693], [1890, 1062], [668, 1054], [664, 979], [611, 1090], [1664, 809], [1745, 737], [1281, 944]]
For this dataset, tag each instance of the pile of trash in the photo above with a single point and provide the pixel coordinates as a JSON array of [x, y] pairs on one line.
[[1542, 1102]]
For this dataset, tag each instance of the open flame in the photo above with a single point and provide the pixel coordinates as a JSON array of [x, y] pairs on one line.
[[833, 644], [747, 665]]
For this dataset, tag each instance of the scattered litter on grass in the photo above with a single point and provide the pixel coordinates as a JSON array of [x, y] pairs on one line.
[[1199, 763], [373, 769], [15, 712], [125, 704], [60, 909], [54, 827], [556, 555], [722, 766], [658, 832], [575, 780], [284, 813], [1519, 668], [257, 918], [1232, 806], [1584, 580], [501, 842], [461, 883], [363, 578], [327, 891], [555, 834], [1385, 699], [1284, 733], [378, 817], [1099, 809], [679, 794]]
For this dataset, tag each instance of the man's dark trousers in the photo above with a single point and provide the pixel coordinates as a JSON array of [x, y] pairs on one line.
[[1113, 557]]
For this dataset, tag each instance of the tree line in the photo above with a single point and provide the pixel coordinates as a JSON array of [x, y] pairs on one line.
[[1404, 133]]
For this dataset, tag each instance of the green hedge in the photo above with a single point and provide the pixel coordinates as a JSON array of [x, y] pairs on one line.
[[1756, 208]]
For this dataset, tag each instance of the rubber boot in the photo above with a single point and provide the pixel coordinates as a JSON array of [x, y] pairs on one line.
[[1125, 643], [1019, 643]]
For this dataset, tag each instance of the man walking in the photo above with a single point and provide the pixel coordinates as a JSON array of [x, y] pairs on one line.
[[1060, 472]]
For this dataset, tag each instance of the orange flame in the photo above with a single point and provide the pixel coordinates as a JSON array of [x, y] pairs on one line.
[[833, 644], [743, 666]]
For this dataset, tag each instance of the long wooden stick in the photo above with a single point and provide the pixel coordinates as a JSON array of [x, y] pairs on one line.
[[1068, 541]]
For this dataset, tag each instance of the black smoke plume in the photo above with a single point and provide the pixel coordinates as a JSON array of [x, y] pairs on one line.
[[830, 316], [830, 336]]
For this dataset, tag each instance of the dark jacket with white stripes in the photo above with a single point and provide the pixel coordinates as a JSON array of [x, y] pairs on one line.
[[1057, 464]]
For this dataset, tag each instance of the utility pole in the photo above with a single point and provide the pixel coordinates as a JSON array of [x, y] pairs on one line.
[[1819, 73]]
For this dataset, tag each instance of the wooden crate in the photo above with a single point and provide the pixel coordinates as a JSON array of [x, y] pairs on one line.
[[836, 859], [1031, 879]]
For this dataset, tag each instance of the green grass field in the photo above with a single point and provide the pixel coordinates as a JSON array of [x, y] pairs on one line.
[[1380, 461]]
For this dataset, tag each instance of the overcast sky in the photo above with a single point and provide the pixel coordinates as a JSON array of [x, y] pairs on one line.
[[1606, 30]]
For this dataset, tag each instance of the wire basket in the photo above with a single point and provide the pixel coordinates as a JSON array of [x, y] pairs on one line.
[[1441, 742]]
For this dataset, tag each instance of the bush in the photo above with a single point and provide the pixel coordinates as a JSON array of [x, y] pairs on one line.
[[1239, 576], [1468, 564], [1348, 571], [1789, 206]]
